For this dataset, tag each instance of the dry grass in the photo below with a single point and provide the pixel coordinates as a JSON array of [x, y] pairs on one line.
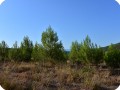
[[51, 76]]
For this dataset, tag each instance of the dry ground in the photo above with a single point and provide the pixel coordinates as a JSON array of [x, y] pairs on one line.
[[51, 76]]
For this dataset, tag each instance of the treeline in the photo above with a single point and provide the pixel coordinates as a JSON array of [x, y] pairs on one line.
[[87, 52], [51, 48]]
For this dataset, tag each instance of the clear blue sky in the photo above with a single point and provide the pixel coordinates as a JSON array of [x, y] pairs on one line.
[[71, 19]]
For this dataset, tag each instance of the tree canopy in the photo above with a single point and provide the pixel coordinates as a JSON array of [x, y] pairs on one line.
[[51, 44]]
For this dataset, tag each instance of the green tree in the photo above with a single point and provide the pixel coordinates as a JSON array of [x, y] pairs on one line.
[[97, 55], [90, 52], [38, 52], [3, 51], [52, 46], [85, 51], [112, 57], [14, 52], [26, 49], [74, 52]]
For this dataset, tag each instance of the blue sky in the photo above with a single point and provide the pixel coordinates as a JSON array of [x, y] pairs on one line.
[[71, 19]]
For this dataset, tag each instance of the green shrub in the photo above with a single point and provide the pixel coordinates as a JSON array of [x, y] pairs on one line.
[[112, 57]]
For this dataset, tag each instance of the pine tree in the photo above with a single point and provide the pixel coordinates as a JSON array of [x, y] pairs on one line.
[[3, 51], [51, 44], [74, 52], [26, 49], [112, 57]]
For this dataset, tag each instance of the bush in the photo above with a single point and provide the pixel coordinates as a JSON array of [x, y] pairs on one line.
[[112, 57]]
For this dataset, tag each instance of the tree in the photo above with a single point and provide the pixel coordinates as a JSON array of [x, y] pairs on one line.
[[14, 52], [52, 46], [85, 51], [112, 57], [74, 52], [26, 49], [97, 55], [38, 52], [89, 52], [3, 50]]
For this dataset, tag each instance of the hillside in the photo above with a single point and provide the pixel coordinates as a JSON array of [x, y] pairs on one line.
[[117, 45]]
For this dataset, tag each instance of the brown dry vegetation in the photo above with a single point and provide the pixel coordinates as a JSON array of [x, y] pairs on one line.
[[51, 76]]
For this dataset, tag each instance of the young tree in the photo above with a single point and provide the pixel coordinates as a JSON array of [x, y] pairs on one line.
[[38, 52], [97, 55], [53, 48], [89, 52], [74, 52], [26, 49], [112, 57], [85, 51], [3, 50], [14, 52]]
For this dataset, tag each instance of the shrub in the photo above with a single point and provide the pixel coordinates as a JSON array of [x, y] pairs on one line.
[[112, 57]]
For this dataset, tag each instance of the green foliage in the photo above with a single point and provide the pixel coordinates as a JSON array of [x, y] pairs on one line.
[[26, 49], [112, 57], [90, 53], [86, 52], [14, 52], [3, 51], [97, 55], [38, 52], [74, 52], [53, 48], [66, 55]]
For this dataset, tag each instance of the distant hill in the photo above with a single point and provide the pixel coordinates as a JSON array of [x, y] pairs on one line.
[[117, 45]]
